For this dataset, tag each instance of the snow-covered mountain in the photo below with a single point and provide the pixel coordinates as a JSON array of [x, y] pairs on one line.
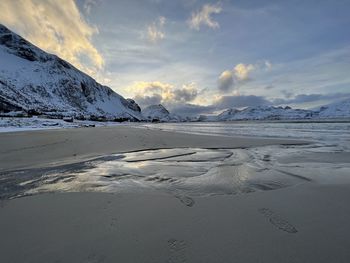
[[33, 80], [265, 113], [334, 110], [337, 110], [156, 113], [159, 113]]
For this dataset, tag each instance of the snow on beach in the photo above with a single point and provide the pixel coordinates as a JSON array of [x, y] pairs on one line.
[[12, 124]]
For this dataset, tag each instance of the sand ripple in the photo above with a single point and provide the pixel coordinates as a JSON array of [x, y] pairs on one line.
[[184, 173]]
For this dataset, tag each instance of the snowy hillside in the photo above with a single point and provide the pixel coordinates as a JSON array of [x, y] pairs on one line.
[[33, 80], [159, 113], [335, 110], [265, 113], [156, 112]]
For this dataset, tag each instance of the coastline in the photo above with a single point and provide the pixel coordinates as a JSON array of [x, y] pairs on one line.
[[33, 149]]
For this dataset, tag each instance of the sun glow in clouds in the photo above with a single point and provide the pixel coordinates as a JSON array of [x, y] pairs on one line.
[[156, 92], [224, 47], [55, 26]]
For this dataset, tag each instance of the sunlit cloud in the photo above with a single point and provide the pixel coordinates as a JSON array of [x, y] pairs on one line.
[[203, 17], [186, 94], [156, 92], [155, 30], [55, 26], [226, 82], [240, 73]]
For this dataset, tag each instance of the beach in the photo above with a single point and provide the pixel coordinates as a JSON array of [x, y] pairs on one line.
[[131, 194], [174, 131], [52, 147]]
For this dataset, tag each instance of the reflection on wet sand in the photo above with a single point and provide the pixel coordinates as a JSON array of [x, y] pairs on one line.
[[182, 172]]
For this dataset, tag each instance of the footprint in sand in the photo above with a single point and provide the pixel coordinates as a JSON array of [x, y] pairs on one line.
[[278, 221], [188, 201], [177, 251]]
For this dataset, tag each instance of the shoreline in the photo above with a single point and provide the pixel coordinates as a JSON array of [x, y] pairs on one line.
[[85, 124], [35, 149]]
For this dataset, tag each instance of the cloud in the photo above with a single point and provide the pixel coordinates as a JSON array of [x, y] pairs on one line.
[[225, 81], [203, 17], [143, 89], [287, 94], [55, 26], [156, 92], [240, 101], [187, 109], [185, 94], [148, 100], [89, 4], [154, 31], [240, 73], [308, 98]]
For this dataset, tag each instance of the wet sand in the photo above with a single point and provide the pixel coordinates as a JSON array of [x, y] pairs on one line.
[[246, 203], [20, 150], [307, 223]]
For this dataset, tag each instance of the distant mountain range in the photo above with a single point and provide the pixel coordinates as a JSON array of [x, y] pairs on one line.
[[337, 110], [35, 82]]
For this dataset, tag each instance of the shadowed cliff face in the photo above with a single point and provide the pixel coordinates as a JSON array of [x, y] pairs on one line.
[[31, 79]]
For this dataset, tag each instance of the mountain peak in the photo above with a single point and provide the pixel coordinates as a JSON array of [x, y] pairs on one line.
[[33, 80], [156, 112]]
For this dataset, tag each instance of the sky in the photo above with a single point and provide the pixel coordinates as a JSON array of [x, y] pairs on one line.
[[198, 57]]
